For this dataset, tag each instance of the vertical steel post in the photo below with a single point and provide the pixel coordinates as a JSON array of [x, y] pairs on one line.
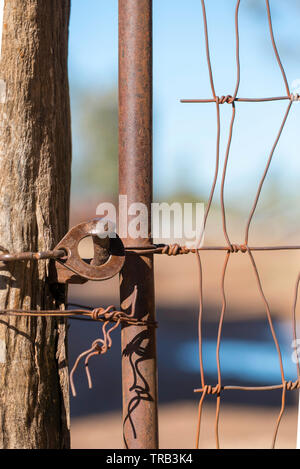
[[139, 368]]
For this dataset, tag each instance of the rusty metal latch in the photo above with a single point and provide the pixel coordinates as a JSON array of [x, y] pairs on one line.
[[109, 256]]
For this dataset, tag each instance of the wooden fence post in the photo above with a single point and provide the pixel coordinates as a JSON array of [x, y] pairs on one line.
[[35, 161]]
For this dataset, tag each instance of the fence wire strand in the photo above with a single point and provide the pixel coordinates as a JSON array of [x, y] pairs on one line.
[[233, 248]]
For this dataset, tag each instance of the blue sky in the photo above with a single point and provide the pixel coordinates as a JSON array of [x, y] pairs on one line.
[[184, 134]]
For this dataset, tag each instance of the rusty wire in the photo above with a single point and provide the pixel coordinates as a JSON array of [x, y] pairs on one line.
[[31, 256], [244, 248], [168, 249], [106, 315], [111, 315]]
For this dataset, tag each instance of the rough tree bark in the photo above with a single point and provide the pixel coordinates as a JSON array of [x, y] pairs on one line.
[[35, 159]]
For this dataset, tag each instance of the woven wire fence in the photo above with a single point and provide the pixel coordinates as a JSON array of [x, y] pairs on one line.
[[231, 248], [115, 318]]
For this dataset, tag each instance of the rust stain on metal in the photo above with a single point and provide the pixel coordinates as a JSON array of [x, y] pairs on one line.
[[96, 270], [139, 373], [109, 256]]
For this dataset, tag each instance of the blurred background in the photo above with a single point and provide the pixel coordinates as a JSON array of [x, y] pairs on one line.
[[184, 159]]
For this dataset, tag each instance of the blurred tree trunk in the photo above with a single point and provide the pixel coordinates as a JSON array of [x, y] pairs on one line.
[[35, 160]]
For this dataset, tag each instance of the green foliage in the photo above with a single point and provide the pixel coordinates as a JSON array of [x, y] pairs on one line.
[[98, 133]]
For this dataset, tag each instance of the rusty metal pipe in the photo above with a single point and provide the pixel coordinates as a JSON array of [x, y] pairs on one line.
[[139, 367]]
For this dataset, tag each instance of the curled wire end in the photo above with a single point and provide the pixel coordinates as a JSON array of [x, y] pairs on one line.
[[88, 375], [83, 354], [73, 389], [97, 350], [101, 346]]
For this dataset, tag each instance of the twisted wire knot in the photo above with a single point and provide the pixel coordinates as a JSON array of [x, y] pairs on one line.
[[115, 316], [291, 385], [212, 390], [225, 99], [104, 313], [96, 313], [175, 249], [238, 248], [295, 97]]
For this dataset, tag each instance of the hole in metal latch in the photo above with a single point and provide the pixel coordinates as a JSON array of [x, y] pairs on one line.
[[86, 249], [91, 251]]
